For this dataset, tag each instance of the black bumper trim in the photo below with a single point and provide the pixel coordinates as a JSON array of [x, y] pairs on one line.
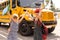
[[50, 22]]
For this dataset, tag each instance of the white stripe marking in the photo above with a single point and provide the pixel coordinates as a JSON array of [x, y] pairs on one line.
[[7, 34], [20, 39], [3, 36], [4, 32]]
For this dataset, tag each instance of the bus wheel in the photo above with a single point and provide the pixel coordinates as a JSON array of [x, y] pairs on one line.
[[51, 29], [24, 29]]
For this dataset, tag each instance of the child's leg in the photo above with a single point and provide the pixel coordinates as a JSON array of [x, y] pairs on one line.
[[15, 35], [10, 36]]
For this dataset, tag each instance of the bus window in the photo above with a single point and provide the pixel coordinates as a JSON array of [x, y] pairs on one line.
[[13, 3], [3, 5], [31, 3], [18, 2], [7, 3]]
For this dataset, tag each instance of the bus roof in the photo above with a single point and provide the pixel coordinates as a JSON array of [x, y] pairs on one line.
[[2, 1]]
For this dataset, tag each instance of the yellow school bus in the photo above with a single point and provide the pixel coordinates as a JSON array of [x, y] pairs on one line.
[[27, 25]]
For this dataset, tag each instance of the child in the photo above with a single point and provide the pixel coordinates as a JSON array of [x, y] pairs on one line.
[[37, 29], [40, 31], [12, 31]]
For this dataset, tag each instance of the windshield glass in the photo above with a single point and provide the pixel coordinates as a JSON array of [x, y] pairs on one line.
[[3, 5], [13, 3], [30, 3]]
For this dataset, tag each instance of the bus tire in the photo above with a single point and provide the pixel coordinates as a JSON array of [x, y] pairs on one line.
[[24, 29], [51, 29]]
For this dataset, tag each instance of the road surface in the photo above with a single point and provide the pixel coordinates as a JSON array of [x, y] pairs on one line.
[[55, 35]]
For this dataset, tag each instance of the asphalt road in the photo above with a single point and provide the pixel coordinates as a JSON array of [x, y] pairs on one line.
[[55, 35]]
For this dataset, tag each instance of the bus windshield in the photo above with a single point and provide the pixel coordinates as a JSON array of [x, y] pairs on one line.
[[29, 3]]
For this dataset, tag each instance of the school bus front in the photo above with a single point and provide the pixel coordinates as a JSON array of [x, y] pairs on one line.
[[18, 7]]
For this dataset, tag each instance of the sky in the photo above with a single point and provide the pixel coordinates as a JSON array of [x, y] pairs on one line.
[[56, 3]]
